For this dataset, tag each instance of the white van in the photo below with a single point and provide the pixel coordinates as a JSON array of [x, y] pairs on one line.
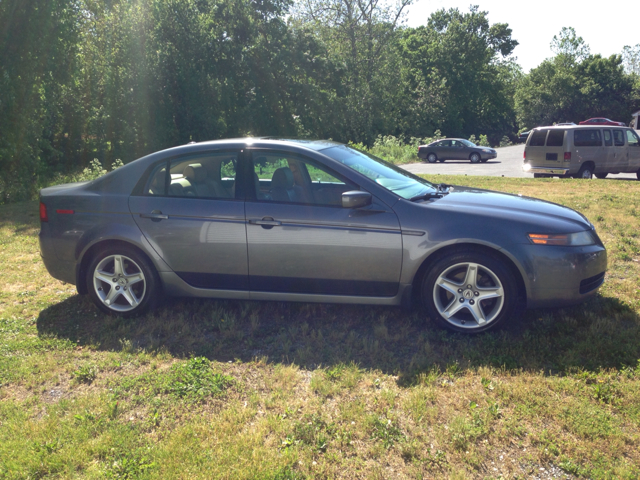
[[580, 151]]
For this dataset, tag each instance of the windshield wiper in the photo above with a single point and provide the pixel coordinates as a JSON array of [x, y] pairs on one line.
[[427, 196], [442, 190]]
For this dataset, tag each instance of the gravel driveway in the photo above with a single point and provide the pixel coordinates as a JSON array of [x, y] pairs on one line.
[[508, 164]]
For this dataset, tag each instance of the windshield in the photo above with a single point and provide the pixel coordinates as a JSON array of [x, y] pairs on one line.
[[467, 142], [386, 174]]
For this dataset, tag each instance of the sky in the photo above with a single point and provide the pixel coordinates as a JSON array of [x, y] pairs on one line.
[[605, 27]]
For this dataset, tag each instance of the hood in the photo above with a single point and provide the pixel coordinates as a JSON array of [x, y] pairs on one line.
[[551, 217]]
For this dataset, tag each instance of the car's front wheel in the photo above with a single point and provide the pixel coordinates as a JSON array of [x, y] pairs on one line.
[[432, 158], [469, 292], [475, 158], [122, 281]]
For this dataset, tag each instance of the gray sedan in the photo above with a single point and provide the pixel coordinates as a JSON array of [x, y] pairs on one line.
[[312, 221], [455, 149]]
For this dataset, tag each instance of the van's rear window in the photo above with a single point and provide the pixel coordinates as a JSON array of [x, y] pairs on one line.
[[587, 138], [555, 138], [537, 138]]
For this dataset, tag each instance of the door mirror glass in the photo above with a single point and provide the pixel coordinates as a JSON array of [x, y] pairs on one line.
[[356, 199]]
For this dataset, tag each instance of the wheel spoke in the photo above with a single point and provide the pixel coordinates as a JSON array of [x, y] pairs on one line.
[[105, 277], [112, 295], [487, 293], [448, 285], [453, 308], [135, 278], [118, 267], [131, 297], [472, 275], [478, 314]]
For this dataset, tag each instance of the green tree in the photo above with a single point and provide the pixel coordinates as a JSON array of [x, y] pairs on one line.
[[462, 78]]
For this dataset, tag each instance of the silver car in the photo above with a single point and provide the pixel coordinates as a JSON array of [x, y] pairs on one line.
[[312, 221]]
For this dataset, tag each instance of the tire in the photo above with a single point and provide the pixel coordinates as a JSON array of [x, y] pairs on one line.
[[491, 300], [475, 158], [601, 175], [539, 175], [585, 172], [638, 174], [432, 158], [121, 281]]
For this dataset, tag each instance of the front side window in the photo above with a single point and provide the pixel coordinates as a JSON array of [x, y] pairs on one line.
[[284, 177], [211, 175], [632, 138], [385, 174], [587, 138]]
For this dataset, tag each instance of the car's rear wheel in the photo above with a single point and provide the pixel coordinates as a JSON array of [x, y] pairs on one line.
[[432, 158], [585, 172], [601, 175], [475, 158], [122, 281], [469, 292]]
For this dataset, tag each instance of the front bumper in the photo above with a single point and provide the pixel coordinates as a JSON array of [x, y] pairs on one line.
[[562, 276]]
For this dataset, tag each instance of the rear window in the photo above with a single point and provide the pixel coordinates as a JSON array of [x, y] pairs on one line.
[[555, 138], [587, 138], [537, 138]]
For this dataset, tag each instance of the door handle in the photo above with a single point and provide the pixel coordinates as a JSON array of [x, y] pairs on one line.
[[155, 215], [266, 222]]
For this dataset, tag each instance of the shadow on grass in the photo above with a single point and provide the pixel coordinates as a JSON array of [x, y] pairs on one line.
[[603, 333]]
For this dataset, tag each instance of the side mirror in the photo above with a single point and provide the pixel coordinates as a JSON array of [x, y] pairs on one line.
[[355, 199]]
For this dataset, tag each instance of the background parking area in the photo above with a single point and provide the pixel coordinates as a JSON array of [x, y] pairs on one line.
[[508, 164]]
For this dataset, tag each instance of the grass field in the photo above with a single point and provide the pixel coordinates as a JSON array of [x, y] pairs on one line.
[[224, 389]]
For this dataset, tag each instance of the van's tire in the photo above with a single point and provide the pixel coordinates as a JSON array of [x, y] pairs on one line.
[[585, 172], [638, 174], [121, 281], [540, 175], [475, 158], [601, 175], [432, 158], [476, 286]]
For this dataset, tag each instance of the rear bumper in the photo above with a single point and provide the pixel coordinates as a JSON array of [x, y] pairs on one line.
[[546, 170], [60, 269]]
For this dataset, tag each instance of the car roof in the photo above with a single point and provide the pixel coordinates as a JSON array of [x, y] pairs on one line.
[[311, 144]]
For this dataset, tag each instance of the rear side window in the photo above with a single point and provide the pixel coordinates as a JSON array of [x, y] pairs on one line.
[[555, 138], [608, 139], [537, 138], [587, 138], [618, 138]]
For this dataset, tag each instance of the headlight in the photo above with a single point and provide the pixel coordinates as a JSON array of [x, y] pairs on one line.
[[486, 150], [578, 239]]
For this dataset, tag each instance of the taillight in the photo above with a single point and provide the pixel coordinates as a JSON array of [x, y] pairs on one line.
[[524, 155], [43, 213], [567, 155]]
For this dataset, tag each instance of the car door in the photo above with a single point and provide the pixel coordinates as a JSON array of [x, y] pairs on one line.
[[301, 240], [443, 149], [633, 149], [189, 212], [621, 161], [456, 150]]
